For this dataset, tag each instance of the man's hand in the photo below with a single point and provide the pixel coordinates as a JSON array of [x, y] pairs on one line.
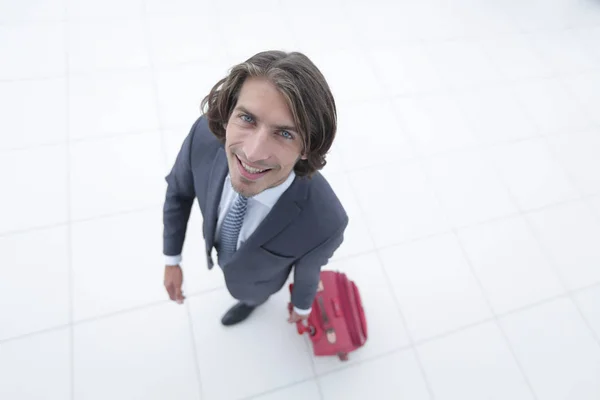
[[295, 317], [173, 282]]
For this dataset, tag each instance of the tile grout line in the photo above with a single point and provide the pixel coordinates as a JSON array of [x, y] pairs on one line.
[[421, 366], [562, 81], [32, 21], [586, 321], [584, 197], [34, 78], [277, 389], [69, 222], [400, 348], [194, 349], [316, 376], [79, 220], [570, 294], [90, 139], [89, 320], [129, 70], [344, 173], [208, 291], [496, 318], [164, 151], [35, 333], [152, 69]]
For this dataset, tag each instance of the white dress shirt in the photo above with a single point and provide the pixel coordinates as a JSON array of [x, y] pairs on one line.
[[257, 209]]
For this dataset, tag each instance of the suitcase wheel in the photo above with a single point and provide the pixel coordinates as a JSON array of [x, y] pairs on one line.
[[343, 356]]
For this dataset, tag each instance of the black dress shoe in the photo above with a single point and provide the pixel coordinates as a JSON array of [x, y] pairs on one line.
[[237, 313]]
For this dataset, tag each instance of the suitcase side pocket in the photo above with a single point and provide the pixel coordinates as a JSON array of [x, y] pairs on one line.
[[361, 312], [352, 312]]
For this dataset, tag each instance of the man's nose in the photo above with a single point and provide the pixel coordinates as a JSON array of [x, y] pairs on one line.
[[256, 145]]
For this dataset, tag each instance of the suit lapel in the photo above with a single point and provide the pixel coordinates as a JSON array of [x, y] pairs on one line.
[[215, 189], [287, 208]]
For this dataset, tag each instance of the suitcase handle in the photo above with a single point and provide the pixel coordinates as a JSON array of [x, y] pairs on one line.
[[302, 329]]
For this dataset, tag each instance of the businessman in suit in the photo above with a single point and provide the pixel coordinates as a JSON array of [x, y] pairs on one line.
[[252, 161]]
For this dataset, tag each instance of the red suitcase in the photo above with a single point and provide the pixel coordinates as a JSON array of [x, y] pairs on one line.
[[337, 323]]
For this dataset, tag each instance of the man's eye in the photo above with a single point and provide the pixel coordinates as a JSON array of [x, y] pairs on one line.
[[246, 118], [287, 135]]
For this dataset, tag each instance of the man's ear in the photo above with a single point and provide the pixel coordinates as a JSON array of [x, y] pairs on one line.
[[303, 157]]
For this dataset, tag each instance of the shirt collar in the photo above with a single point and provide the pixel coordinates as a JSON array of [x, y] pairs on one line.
[[269, 196]]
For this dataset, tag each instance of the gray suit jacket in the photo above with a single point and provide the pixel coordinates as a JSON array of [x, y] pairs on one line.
[[302, 231]]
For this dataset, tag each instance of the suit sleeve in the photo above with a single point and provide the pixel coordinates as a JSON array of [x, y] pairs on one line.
[[178, 200], [307, 269]]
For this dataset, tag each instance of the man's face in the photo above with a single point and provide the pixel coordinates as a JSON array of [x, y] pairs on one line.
[[262, 144]]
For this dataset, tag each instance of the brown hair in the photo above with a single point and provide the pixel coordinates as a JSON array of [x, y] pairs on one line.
[[303, 86]]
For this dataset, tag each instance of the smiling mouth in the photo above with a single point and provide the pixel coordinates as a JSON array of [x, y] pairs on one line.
[[251, 172]]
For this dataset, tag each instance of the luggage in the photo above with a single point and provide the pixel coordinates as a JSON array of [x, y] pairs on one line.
[[337, 323]]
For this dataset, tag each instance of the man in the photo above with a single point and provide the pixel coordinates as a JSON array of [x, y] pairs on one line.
[[252, 161]]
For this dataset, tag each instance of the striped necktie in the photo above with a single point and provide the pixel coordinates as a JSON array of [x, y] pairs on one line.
[[230, 230]]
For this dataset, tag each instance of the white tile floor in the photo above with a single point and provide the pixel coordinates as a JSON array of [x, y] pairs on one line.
[[475, 120]]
